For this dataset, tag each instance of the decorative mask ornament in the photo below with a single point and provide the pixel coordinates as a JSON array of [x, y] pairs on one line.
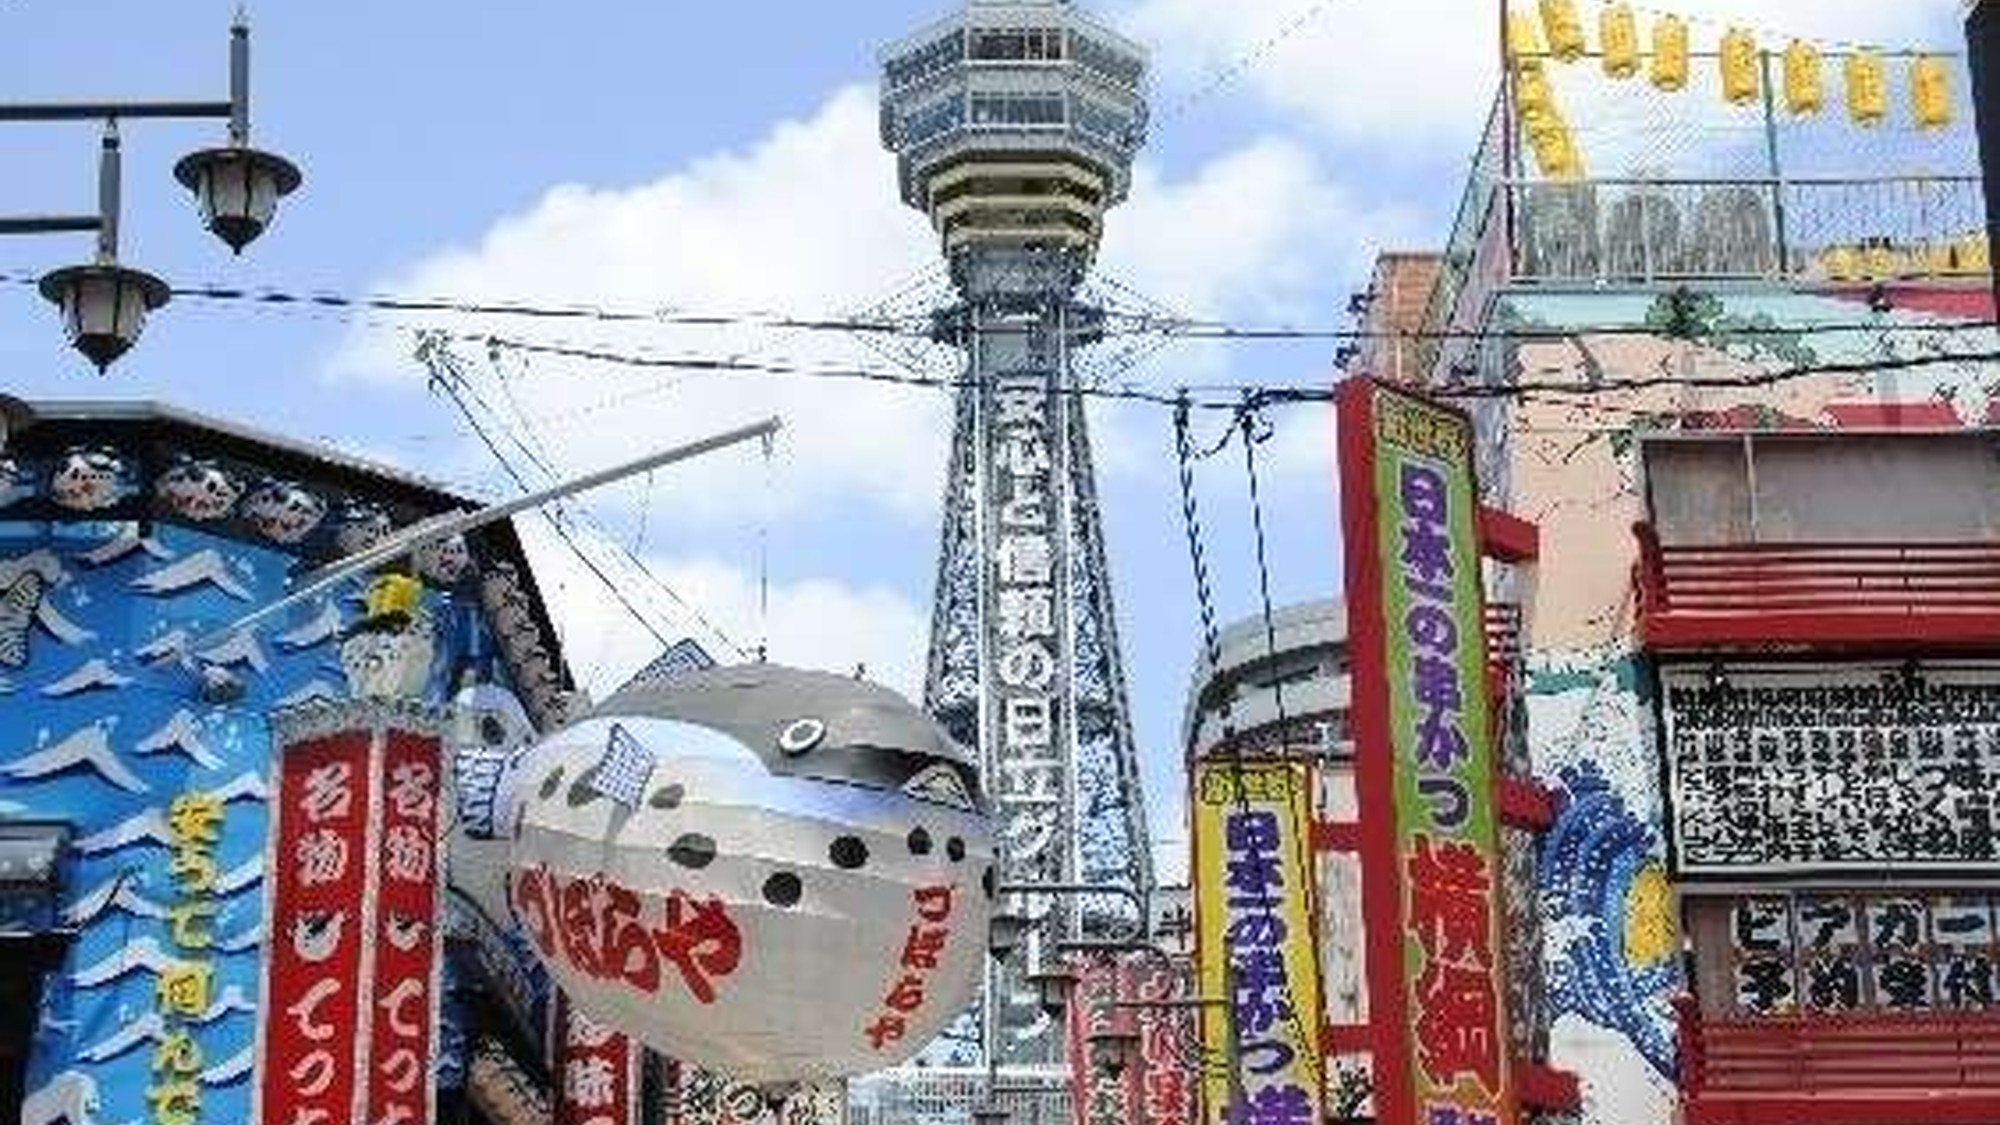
[[361, 527], [444, 562], [89, 480], [283, 512], [200, 491], [782, 875]]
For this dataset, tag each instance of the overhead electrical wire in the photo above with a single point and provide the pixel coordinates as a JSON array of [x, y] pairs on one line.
[[1117, 323]]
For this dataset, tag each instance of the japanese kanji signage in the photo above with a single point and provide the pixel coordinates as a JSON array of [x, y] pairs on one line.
[[597, 1071], [310, 1058], [1834, 952], [1820, 768], [1425, 764], [1097, 1097], [350, 997], [194, 828], [1253, 892]]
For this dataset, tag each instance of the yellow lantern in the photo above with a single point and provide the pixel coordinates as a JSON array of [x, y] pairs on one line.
[[1867, 88], [1843, 263], [1804, 92], [1555, 149], [1563, 28], [1619, 30], [1742, 81], [1524, 42], [1930, 91], [1533, 95], [1670, 53], [1973, 255]]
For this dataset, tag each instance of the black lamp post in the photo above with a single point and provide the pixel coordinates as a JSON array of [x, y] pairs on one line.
[[104, 303]]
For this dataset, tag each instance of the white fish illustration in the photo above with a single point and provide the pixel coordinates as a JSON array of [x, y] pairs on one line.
[[240, 648], [246, 874], [121, 891], [205, 568], [169, 646], [89, 747], [138, 955], [92, 674], [230, 1069], [149, 825], [313, 689], [322, 628], [122, 546], [180, 735], [146, 1029]]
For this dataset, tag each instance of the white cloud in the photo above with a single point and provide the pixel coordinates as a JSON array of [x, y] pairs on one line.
[[806, 221], [1414, 73], [813, 622]]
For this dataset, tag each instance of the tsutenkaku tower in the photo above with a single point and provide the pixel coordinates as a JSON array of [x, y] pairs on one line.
[[1015, 123]]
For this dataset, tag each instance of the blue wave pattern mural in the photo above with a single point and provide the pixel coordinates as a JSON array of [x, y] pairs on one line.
[[102, 725]]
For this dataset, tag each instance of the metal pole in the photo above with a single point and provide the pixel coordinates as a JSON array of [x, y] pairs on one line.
[[97, 111], [1777, 166], [457, 523], [239, 81], [110, 171], [49, 224]]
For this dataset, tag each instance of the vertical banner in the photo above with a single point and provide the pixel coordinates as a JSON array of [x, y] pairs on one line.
[[1098, 1098], [597, 1071], [1424, 767], [1169, 1051], [309, 1063], [1253, 887], [404, 1015]]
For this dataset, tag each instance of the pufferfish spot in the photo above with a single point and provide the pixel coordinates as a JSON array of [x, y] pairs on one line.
[[693, 851], [552, 783], [849, 853], [920, 842], [784, 890]]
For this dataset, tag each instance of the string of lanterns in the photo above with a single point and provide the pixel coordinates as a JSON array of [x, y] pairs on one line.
[[1667, 58]]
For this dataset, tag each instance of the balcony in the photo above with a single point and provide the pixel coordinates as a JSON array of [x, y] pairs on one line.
[[1883, 1069], [1812, 594]]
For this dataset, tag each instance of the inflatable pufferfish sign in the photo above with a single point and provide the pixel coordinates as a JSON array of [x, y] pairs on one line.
[[778, 874]]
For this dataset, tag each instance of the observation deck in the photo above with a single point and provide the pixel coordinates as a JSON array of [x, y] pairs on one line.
[[1015, 123]]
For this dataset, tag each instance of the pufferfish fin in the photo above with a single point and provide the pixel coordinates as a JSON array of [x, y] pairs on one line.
[[940, 785]]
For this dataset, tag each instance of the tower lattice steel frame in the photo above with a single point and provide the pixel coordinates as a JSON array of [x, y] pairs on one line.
[[1015, 123]]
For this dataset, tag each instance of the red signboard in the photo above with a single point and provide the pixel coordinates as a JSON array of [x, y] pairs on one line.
[[1161, 1090], [1097, 1097], [403, 1015], [1424, 761], [597, 1071], [317, 927]]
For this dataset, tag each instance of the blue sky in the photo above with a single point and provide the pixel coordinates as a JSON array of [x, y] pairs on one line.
[[721, 157]]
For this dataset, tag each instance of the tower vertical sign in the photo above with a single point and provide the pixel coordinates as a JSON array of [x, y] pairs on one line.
[[1424, 760]]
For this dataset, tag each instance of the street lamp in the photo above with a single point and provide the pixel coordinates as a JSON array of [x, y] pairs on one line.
[[15, 416], [1113, 1050], [104, 304], [238, 187]]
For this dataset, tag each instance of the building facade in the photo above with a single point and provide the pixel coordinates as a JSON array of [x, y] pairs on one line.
[[140, 770], [1741, 390]]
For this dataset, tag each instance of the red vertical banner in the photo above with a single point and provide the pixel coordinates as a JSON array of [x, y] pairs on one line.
[[1424, 761], [404, 937], [317, 926], [597, 1071], [1098, 1098], [1170, 1062]]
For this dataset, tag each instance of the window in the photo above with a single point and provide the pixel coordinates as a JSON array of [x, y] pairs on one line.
[[1017, 44], [1106, 62], [1017, 110], [1101, 123], [925, 61], [929, 121]]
